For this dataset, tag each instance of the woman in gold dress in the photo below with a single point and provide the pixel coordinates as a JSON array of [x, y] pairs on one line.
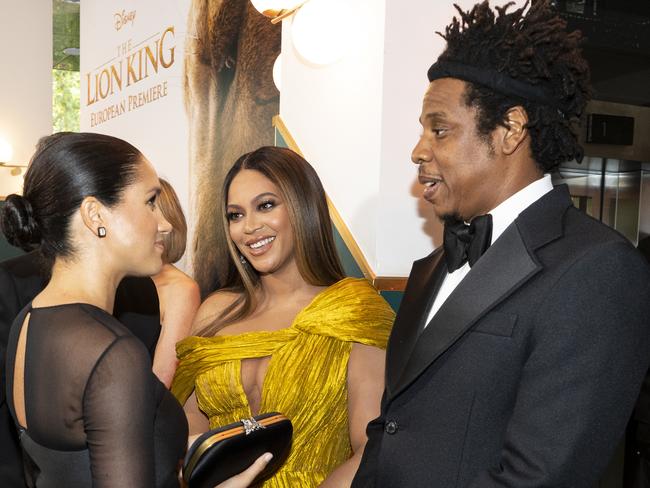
[[287, 332]]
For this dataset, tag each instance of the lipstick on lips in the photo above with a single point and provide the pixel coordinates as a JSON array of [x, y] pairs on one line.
[[260, 245]]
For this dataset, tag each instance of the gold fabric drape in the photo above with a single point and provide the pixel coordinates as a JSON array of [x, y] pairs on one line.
[[306, 379]]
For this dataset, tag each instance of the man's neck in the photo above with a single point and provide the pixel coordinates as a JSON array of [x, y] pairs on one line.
[[508, 210]]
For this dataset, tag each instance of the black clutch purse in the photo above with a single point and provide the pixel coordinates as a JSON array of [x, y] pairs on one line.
[[226, 451]]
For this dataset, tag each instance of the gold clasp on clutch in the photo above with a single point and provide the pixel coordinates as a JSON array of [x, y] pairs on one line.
[[251, 425]]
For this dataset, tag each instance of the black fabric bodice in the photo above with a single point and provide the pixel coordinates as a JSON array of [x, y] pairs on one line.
[[137, 307], [96, 414]]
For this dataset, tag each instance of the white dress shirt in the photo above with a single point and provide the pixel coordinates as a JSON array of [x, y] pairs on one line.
[[502, 216]]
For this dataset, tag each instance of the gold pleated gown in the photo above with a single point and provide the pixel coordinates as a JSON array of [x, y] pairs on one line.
[[306, 379]]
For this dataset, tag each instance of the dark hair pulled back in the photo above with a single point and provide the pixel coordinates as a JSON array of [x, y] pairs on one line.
[[66, 168], [18, 223]]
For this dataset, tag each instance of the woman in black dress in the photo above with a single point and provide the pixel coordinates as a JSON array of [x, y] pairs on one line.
[[79, 384]]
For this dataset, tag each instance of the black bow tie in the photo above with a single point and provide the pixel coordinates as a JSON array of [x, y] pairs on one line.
[[466, 243]]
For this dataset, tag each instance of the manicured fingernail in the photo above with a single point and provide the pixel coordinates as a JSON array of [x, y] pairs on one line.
[[267, 457]]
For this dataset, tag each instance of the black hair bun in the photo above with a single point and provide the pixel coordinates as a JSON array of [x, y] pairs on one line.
[[18, 223]]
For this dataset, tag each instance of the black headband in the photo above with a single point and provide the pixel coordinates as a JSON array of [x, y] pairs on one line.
[[493, 79]]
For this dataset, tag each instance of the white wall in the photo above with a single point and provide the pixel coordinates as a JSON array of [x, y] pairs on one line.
[[25, 74], [356, 121], [410, 45], [334, 113]]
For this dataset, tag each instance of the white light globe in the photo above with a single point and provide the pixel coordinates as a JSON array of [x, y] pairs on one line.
[[270, 8], [322, 30], [277, 72], [6, 151]]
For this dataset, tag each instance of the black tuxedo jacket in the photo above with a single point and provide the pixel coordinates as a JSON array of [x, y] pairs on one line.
[[21, 279], [528, 373]]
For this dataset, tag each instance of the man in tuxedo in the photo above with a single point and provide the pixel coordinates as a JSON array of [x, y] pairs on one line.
[[21, 279], [519, 348]]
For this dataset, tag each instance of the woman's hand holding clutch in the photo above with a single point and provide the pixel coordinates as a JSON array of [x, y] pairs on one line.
[[245, 478], [243, 452]]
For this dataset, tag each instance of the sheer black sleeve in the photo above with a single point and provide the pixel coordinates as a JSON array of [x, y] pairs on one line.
[[119, 411], [94, 410]]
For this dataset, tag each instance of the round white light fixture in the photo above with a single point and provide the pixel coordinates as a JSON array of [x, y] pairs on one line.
[[272, 8], [6, 151], [322, 30], [277, 72]]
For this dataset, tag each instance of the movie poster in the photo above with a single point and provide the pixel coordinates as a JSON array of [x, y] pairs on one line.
[[189, 83]]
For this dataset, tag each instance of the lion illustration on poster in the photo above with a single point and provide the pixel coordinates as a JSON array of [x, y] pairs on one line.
[[230, 100]]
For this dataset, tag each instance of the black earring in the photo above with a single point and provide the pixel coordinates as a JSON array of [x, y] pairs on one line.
[[101, 232]]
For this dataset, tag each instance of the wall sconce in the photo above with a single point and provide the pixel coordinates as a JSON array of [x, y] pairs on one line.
[[322, 30], [14, 169], [11, 179], [277, 10], [277, 72], [6, 151]]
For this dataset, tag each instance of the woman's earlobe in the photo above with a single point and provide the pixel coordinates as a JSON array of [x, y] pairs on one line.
[[90, 210]]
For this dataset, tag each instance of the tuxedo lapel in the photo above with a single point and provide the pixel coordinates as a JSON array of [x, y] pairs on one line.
[[505, 266], [423, 284]]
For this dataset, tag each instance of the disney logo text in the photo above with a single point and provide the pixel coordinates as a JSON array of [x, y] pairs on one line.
[[123, 18]]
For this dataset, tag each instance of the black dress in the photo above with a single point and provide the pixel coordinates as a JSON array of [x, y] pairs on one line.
[[21, 279], [96, 414], [137, 307]]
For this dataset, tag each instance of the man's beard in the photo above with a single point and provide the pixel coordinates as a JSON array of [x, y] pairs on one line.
[[451, 218]]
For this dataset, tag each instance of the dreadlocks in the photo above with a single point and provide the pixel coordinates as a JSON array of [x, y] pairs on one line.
[[531, 48]]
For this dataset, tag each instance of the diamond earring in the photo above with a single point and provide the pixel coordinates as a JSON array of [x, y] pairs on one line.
[[101, 232]]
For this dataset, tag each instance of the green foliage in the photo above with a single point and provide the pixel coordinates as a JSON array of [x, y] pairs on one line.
[[65, 27], [65, 75], [65, 100]]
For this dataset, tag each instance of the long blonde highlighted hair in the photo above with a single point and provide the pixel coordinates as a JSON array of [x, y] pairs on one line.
[[304, 196]]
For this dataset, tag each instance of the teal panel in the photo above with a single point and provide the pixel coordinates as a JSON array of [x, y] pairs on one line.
[[279, 140], [394, 298]]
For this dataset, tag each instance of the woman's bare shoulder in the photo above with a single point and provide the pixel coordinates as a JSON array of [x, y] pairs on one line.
[[220, 299], [172, 280], [212, 307]]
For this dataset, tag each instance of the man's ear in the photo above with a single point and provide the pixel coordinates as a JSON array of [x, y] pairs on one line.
[[91, 213], [515, 132]]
